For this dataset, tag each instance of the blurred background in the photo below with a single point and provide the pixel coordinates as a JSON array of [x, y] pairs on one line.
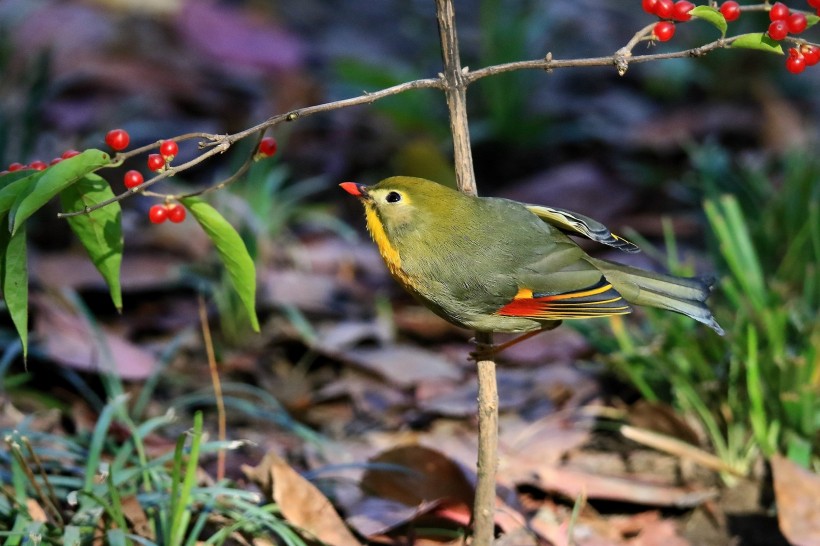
[[343, 352]]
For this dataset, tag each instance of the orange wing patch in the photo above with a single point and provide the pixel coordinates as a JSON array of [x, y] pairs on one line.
[[599, 300]]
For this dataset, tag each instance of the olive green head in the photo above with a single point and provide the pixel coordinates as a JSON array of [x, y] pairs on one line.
[[402, 203]]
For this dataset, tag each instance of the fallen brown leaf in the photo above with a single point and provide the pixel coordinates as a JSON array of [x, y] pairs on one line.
[[413, 475], [300, 501], [797, 492], [573, 483], [68, 339]]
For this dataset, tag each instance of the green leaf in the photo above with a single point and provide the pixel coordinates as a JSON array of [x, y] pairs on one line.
[[11, 191], [52, 181], [711, 15], [758, 40], [232, 251], [8, 178], [811, 20], [100, 231], [14, 281]]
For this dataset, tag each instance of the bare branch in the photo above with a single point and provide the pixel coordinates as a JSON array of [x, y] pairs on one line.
[[220, 143], [456, 92]]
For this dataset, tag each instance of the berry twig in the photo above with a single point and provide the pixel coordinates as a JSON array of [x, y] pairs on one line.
[[214, 144]]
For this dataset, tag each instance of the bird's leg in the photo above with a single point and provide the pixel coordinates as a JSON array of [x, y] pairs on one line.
[[484, 351]]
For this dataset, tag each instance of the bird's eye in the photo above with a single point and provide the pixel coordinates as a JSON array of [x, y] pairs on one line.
[[393, 197]]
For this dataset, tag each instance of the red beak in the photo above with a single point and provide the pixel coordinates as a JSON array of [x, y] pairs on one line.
[[358, 190]]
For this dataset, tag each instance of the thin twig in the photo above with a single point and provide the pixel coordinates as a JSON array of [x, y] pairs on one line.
[[220, 402], [220, 143]]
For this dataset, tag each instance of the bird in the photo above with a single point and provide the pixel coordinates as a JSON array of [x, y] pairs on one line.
[[490, 264]]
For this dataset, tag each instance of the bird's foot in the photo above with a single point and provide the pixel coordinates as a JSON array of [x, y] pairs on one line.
[[483, 351], [487, 351]]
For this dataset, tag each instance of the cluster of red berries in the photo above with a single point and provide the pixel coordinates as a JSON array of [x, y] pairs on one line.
[[38, 165], [669, 11], [784, 22], [800, 58], [118, 140], [157, 214], [679, 11]]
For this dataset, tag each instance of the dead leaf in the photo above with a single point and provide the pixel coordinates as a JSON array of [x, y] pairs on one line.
[[414, 475], [648, 529], [571, 483], [373, 516], [403, 365], [300, 501], [68, 339], [75, 270], [525, 447], [35, 511], [797, 492]]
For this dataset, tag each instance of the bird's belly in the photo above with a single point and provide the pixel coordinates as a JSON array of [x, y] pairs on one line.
[[471, 313]]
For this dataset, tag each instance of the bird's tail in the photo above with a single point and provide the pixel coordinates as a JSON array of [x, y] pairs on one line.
[[686, 295]]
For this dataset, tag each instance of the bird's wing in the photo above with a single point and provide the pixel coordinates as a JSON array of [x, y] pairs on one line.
[[578, 224], [597, 300]]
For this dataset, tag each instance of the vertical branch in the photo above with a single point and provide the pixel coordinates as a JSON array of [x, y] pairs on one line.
[[484, 503], [455, 89]]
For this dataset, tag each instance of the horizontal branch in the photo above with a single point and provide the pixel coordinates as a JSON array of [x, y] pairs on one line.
[[620, 60], [219, 144]]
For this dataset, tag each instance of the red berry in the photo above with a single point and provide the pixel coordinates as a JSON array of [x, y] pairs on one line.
[[681, 9], [132, 179], [778, 30], [731, 10], [176, 213], [795, 64], [38, 165], [16, 167], [779, 12], [664, 8], [68, 154], [156, 162], [814, 3], [267, 146], [55, 160], [157, 214], [797, 23], [649, 6], [664, 31], [168, 149], [117, 139], [811, 54]]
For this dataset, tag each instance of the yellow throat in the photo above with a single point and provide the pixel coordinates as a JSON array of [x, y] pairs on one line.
[[388, 252]]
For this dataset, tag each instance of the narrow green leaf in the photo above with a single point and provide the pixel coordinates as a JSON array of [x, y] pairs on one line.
[[100, 232], [811, 20], [758, 40], [232, 252], [11, 191], [710, 15], [52, 181], [8, 178], [14, 281]]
